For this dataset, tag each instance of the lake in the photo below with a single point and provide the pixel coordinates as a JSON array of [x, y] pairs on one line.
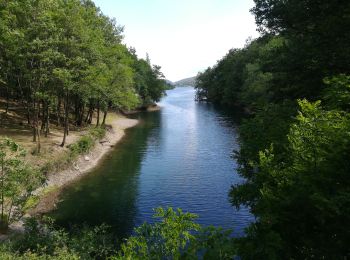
[[180, 156]]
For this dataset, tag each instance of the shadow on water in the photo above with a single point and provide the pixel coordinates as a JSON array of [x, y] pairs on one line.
[[109, 193]]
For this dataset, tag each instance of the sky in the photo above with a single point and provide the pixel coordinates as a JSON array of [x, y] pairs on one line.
[[182, 36]]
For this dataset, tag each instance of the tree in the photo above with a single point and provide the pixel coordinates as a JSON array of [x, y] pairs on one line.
[[240, 78], [17, 181], [316, 36], [177, 236], [64, 60], [301, 199], [149, 81], [337, 92]]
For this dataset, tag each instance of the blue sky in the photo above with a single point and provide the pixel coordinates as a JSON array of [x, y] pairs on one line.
[[182, 36]]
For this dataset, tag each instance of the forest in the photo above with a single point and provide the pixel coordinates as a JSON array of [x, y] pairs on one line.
[[63, 60], [293, 82], [59, 59]]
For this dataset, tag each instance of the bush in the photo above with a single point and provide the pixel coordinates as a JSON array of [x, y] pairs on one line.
[[85, 143], [177, 236], [44, 241], [97, 132]]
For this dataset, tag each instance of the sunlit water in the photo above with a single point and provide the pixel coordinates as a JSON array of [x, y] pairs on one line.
[[179, 157]]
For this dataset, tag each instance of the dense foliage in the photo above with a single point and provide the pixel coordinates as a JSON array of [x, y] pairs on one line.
[[175, 236], [63, 60], [301, 198], [294, 152]]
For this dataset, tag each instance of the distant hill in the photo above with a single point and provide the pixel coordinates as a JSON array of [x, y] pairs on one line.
[[186, 82], [169, 82]]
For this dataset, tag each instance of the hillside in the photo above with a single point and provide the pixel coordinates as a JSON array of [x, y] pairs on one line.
[[169, 84], [186, 82]]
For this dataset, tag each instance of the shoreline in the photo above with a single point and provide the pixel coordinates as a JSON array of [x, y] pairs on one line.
[[50, 192], [151, 108]]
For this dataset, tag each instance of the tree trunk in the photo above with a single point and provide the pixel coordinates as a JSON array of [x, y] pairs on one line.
[[25, 104], [35, 125], [81, 115], [34, 132], [36, 129], [38, 144], [28, 113], [58, 111], [98, 114], [90, 114], [7, 101], [34, 122], [77, 111], [10, 211], [67, 124], [47, 130], [3, 220], [104, 117], [43, 118], [43, 114], [2, 189], [105, 114], [65, 131]]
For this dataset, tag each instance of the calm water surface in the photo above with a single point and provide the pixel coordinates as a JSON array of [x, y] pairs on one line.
[[179, 157]]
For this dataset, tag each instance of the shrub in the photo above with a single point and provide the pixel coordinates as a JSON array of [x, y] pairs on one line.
[[97, 132], [85, 143]]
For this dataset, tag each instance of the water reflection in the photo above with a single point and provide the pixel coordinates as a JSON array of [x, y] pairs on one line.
[[108, 195], [178, 157]]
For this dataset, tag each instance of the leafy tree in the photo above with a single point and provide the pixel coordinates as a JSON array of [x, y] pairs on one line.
[[337, 92], [165, 239], [292, 166], [65, 60], [302, 200], [60, 254], [269, 125], [17, 181], [241, 77], [177, 236], [44, 240], [212, 243], [149, 82], [316, 37]]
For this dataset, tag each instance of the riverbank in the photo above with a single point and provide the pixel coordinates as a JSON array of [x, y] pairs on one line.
[[56, 181], [150, 108]]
